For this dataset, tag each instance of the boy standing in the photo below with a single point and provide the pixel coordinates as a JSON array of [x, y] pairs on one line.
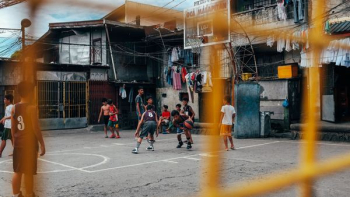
[[105, 112], [178, 108], [178, 121], [140, 108], [113, 119], [149, 120], [6, 121], [26, 135], [149, 101], [188, 111], [228, 114]]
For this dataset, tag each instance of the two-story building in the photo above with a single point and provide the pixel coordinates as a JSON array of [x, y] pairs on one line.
[[111, 55]]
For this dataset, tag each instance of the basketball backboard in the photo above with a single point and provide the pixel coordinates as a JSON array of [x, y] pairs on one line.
[[199, 22]]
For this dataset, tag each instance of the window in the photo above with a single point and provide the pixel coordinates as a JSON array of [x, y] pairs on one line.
[[97, 51]]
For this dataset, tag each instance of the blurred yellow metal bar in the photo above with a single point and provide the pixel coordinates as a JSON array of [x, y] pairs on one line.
[[283, 179], [213, 165], [312, 100]]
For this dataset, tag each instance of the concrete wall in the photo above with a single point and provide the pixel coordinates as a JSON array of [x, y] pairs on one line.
[[173, 97], [10, 74], [272, 96], [292, 56]]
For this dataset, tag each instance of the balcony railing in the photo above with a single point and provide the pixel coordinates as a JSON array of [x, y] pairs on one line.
[[263, 15]]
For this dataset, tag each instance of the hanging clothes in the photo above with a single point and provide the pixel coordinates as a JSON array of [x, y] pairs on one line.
[[281, 11], [198, 81], [206, 79], [174, 55], [188, 85], [177, 81], [183, 74], [281, 44], [188, 58], [288, 47], [270, 41], [122, 92], [131, 94], [298, 10], [295, 43]]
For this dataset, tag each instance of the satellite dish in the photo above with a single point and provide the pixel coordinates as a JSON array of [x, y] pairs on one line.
[[26, 23]]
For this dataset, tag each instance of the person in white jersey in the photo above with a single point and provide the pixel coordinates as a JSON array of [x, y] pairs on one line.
[[6, 121], [228, 114]]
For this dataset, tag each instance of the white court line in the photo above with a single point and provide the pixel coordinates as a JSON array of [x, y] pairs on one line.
[[258, 145], [319, 143], [170, 159], [119, 144], [102, 146], [207, 155], [64, 165], [191, 158]]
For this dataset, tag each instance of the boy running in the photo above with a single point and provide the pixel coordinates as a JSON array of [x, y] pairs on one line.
[[149, 120], [6, 121], [228, 114], [105, 112], [26, 135], [178, 130], [113, 119], [178, 121]]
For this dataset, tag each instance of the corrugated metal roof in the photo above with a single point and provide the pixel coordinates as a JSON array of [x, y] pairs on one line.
[[343, 27]]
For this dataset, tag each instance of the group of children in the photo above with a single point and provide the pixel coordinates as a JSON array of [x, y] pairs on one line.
[[21, 126], [183, 120], [110, 118], [150, 124]]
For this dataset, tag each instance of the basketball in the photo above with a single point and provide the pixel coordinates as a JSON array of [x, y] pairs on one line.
[[188, 124]]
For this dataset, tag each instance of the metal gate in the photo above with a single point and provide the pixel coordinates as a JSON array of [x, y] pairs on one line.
[[97, 91], [62, 105]]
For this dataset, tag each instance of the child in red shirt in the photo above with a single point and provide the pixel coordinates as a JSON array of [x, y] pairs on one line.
[[164, 119], [113, 119]]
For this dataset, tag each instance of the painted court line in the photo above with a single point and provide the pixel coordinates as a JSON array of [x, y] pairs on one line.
[[171, 159], [191, 158], [119, 144], [319, 143], [104, 146], [64, 165], [256, 145]]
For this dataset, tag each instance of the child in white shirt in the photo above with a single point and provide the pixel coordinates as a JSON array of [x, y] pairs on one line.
[[228, 114]]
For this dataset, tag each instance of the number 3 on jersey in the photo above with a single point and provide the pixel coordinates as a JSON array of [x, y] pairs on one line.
[[20, 124]]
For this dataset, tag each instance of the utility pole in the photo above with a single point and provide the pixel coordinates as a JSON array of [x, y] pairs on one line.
[[24, 24]]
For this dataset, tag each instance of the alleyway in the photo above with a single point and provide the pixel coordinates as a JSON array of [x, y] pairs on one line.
[[86, 164]]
